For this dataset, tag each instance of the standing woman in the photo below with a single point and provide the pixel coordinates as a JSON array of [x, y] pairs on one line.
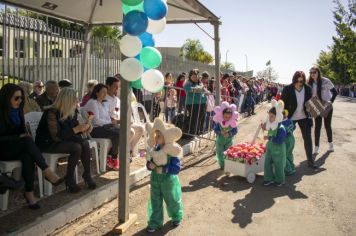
[[295, 96], [180, 92], [17, 144], [60, 132], [326, 92]]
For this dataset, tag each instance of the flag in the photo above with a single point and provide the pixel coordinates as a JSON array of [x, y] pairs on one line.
[[268, 63]]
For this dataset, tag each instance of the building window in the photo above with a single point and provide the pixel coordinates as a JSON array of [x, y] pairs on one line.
[[19, 45], [35, 49], [56, 52]]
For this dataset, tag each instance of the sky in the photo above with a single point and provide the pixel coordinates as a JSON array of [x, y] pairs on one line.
[[290, 33]]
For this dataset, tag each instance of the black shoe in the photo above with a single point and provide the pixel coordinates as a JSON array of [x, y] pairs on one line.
[[175, 223], [73, 188], [150, 230], [58, 182], [33, 206], [90, 184], [267, 183]]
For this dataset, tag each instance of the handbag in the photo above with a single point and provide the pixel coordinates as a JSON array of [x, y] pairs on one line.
[[315, 107], [9, 183]]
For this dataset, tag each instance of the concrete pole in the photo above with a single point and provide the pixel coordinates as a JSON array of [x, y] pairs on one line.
[[217, 63], [85, 60]]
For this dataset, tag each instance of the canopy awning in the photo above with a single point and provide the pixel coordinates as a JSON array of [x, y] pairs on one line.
[[99, 12]]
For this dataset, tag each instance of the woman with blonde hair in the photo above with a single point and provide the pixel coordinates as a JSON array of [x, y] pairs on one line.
[[60, 132], [30, 105]]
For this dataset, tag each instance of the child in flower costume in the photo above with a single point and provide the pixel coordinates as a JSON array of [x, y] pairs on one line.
[[276, 148], [290, 142], [163, 160], [225, 127]]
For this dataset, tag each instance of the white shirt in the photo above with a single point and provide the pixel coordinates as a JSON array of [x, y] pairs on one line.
[[112, 105], [326, 86], [299, 112], [101, 115]]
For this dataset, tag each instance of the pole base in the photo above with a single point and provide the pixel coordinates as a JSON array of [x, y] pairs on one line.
[[122, 228]]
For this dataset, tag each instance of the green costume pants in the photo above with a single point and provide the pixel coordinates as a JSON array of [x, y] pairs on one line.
[[275, 162], [164, 187], [222, 144], [290, 142]]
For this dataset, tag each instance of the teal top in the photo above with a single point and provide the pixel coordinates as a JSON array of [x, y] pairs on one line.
[[193, 97]]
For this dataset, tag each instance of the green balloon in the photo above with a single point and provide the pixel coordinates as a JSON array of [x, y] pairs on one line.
[[126, 9], [137, 84], [131, 2], [150, 57]]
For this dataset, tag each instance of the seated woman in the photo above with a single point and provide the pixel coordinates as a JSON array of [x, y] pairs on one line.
[[30, 104], [60, 132], [104, 126], [17, 144]]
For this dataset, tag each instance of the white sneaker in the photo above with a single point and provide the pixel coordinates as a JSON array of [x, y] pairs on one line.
[[316, 150], [331, 147]]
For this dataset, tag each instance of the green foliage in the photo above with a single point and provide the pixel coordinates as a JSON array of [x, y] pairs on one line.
[[193, 50], [339, 63], [227, 66]]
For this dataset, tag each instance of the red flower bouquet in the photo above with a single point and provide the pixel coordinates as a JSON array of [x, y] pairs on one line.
[[245, 152], [90, 117]]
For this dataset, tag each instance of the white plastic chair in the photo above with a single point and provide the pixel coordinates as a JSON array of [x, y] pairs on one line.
[[101, 146], [14, 168], [136, 119], [32, 119]]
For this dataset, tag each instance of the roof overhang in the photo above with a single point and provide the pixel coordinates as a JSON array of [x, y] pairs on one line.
[[109, 12]]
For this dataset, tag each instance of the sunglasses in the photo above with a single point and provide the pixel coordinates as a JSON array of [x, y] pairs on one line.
[[18, 98], [313, 72], [300, 81]]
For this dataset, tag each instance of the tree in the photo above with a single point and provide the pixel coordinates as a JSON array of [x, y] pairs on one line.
[[109, 32], [227, 66], [340, 62], [269, 73], [193, 50]]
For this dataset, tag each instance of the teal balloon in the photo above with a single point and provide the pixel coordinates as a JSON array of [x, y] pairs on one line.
[[150, 57], [131, 2], [137, 84], [126, 8]]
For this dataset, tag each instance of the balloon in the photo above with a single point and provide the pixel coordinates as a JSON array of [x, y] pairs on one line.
[[155, 9], [156, 26], [150, 57], [130, 46], [131, 2], [135, 23], [131, 69], [152, 80], [147, 40], [126, 8], [137, 84]]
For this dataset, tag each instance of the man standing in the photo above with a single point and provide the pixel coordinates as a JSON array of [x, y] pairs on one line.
[[50, 94]]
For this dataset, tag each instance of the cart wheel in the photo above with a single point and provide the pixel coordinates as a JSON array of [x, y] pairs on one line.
[[251, 177]]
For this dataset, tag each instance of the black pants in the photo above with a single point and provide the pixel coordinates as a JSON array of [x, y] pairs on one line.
[[196, 118], [26, 151], [305, 126], [78, 149], [327, 124], [110, 132]]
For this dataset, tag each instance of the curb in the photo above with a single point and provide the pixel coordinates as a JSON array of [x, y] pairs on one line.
[[58, 218]]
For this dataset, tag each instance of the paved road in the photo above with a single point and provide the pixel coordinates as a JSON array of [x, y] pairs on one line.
[[311, 203]]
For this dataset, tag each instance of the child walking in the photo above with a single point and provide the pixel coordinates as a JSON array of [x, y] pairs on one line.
[[290, 142], [163, 160], [276, 148], [225, 127]]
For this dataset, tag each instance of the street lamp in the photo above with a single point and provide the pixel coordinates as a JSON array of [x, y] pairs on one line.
[[246, 62], [226, 56]]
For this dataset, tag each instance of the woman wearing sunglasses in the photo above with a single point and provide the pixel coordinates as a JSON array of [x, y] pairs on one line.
[[326, 92], [17, 144], [295, 96]]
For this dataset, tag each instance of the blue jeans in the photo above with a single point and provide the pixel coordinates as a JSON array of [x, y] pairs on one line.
[[170, 113]]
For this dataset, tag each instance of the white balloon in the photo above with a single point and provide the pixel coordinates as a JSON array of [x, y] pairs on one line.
[[156, 26], [130, 46], [131, 69], [152, 80]]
